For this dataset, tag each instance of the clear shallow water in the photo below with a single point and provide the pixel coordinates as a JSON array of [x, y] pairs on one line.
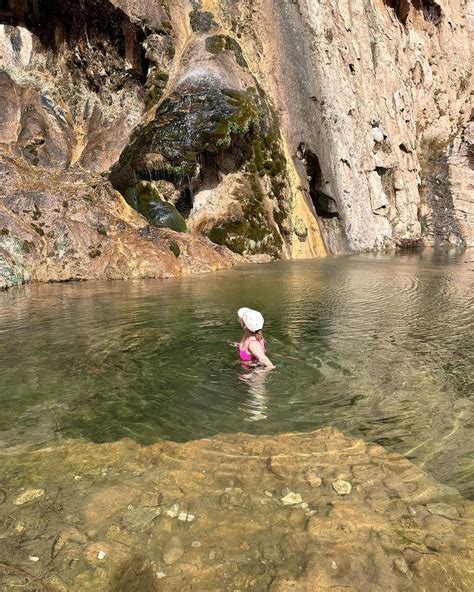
[[380, 346]]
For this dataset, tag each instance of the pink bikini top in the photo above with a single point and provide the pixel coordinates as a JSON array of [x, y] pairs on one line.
[[245, 356]]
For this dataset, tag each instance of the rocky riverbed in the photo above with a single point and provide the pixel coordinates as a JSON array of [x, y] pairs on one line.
[[310, 512]]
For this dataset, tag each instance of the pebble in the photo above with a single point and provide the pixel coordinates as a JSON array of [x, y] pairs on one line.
[[173, 512], [33, 558], [401, 565], [186, 517], [233, 489], [160, 574], [140, 519], [196, 544], [291, 499], [173, 551], [313, 479], [101, 554], [342, 487], [444, 510], [28, 496], [212, 555]]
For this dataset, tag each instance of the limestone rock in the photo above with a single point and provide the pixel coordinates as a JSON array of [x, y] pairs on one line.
[[444, 510], [28, 496], [330, 137], [342, 487], [291, 499], [313, 479], [60, 226], [173, 551], [340, 543]]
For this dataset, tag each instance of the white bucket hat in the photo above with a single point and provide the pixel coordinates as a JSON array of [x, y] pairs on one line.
[[253, 320], [242, 311]]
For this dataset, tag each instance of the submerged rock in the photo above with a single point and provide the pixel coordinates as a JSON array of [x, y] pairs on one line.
[[444, 510], [173, 551], [342, 487], [28, 496], [291, 499], [140, 519], [348, 542]]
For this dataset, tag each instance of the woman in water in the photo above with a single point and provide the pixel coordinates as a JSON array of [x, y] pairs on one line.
[[252, 345]]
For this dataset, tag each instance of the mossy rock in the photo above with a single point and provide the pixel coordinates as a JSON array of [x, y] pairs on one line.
[[155, 86], [187, 124], [216, 44], [146, 199], [165, 215], [238, 130], [201, 22], [174, 248], [252, 233]]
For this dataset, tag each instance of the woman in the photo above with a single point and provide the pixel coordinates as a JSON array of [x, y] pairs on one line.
[[252, 345]]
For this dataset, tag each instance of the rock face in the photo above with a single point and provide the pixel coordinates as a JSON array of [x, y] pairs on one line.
[[366, 90], [233, 512], [72, 225], [276, 129], [461, 176]]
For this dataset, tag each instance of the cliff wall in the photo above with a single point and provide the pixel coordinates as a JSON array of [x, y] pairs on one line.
[[273, 129]]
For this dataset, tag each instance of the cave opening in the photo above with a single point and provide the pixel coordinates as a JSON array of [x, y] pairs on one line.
[[184, 204], [431, 10], [89, 27], [209, 170], [400, 7], [324, 204]]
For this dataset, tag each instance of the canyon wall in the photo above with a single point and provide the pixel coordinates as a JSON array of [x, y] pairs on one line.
[[270, 129]]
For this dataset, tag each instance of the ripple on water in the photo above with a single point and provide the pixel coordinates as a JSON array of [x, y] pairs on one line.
[[379, 346]]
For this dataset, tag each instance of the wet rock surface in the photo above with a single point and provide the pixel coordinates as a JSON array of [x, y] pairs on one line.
[[231, 512]]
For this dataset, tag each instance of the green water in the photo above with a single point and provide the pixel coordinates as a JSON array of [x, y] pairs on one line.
[[380, 346]]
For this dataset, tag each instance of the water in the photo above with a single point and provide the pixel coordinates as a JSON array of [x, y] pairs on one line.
[[380, 346]]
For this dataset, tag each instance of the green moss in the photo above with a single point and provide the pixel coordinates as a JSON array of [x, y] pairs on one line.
[[174, 248], [252, 233], [216, 44], [155, 86], [38, 229], [94, 252], [201, 22], [102, 230], [160, 213]]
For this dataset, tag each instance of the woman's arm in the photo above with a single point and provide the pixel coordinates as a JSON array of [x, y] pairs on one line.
[[256, 349]]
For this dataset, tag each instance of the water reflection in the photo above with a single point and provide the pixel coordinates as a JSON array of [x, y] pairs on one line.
[[378, 345], [256, 404]]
